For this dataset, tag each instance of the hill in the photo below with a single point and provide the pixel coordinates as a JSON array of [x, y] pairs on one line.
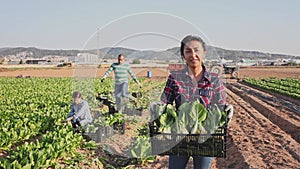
[[172, 53]]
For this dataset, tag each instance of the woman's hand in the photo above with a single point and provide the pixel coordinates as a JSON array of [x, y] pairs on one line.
[[229, 111], [70, 118]]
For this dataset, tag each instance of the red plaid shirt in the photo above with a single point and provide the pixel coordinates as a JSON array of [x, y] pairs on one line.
[[180, 88]]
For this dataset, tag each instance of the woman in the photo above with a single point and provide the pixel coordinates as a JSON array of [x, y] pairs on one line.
[[191, 83], [80, 111]]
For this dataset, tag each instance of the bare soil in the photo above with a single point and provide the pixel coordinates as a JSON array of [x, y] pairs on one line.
[[263, 133], [74, 72], [244, 72], [277, 72]]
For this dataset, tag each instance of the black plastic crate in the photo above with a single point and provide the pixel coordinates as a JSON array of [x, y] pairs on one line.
[[132, 111], [101, 134], [119, 127], [209, 145]]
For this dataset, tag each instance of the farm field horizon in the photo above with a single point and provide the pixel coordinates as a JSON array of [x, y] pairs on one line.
[[157, 72]]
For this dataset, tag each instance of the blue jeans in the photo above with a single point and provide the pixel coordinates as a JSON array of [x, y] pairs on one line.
[[179, 162], [121, 90]]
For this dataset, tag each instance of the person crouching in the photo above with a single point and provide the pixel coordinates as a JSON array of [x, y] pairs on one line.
[[80, 112]]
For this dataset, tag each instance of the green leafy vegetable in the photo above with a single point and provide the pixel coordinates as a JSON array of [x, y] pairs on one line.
[[190, 118]]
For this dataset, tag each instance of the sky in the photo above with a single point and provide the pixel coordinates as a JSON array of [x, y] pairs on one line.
[[271, 26]]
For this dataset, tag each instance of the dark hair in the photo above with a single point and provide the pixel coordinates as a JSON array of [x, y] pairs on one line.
[[120, 55], [189, 38], [76, 95]]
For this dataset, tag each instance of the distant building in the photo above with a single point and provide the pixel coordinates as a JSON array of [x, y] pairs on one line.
[[36, 61], [3, 60], [56, 59], [175, 66], [297, 61], [86, 58]]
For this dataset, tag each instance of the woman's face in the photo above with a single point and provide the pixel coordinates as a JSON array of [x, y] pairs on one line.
[[77, 100], [194, 54]]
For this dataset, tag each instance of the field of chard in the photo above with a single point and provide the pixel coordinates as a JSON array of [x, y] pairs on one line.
[[32, 134]]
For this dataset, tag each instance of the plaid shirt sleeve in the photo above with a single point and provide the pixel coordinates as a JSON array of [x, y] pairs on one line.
[[219, 91], [168, 93], [210, 90]]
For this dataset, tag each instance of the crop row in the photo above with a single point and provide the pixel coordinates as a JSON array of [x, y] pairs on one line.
[[31, 111], [289, 87], [292, 83]]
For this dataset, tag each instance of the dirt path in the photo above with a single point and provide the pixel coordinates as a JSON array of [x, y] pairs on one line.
[[279, 111], [265, 137], [75, 72], [262, 72], [245, 72]]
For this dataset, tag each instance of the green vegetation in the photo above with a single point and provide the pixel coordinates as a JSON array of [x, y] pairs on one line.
[[288, 87], [136, 61], [30, 131], [199, 120], [32, 134]]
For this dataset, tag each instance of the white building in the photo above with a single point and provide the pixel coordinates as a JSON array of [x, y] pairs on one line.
[[86, 58]]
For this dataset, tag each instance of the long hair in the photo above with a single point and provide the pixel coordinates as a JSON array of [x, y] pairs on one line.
[[189, 38], [76, 94]]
